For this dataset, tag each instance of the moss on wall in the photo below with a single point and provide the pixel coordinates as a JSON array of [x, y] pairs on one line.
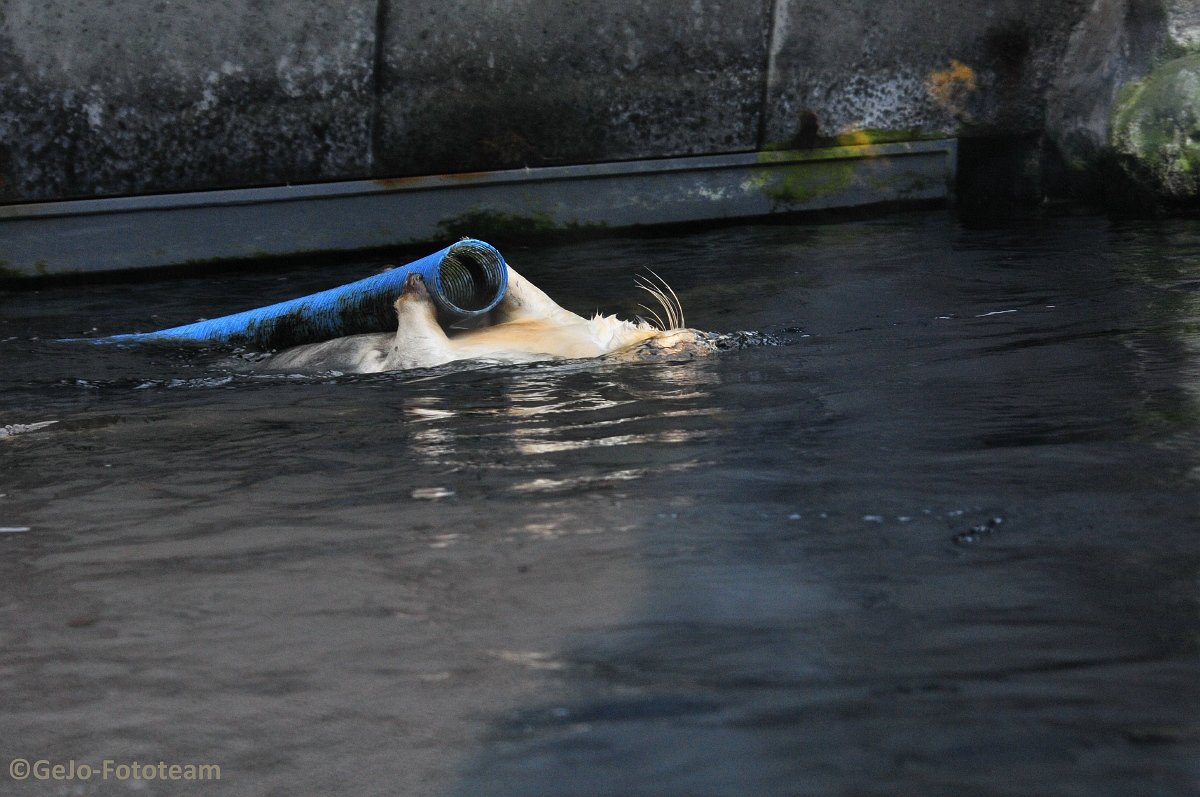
[[1155, 130]]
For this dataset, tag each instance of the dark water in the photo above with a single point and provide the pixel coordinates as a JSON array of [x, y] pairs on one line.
[[944, 541]]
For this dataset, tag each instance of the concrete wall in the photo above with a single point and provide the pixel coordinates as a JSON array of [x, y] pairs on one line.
[[479, 85], [103, 98]]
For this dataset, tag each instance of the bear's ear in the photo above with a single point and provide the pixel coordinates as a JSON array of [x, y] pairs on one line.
[[414, 289], [420, 341], [414, 307]]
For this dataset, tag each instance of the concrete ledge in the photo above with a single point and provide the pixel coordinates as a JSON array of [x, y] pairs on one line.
[[57, 238]]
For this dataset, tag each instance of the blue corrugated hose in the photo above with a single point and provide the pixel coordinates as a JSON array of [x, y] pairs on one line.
[[465, 279]]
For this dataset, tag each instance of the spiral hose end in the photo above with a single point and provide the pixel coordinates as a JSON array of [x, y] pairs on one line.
[[471, 279]]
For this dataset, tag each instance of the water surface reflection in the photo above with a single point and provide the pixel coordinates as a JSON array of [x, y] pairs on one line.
[[941, 542]]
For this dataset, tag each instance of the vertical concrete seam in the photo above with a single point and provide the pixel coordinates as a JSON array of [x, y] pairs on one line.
[[378, 58], [768, 71]]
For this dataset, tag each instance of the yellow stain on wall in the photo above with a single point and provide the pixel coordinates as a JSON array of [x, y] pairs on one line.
[[950, 87], [853, 136]]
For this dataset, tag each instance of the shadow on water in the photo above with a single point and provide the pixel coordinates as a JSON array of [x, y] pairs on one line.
[[947, 547], [942, 542]]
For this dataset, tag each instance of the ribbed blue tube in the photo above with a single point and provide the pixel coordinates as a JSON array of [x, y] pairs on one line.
[[465, 279]]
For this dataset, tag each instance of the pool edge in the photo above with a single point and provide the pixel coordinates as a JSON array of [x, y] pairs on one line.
[[169, 230]]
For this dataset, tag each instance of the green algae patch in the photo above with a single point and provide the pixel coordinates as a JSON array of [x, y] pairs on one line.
[[801, 185], [857, 138], [804, 181], [483, 223], [856, 173], [773, 156], [1155, 130], [488, 224], [881, 136]]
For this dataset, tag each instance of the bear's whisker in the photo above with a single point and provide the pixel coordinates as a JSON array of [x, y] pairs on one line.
[[668, 306], [680, 322], [657, 320]]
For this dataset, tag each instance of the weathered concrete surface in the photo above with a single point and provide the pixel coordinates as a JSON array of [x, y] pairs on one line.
[[478, 84], [1183, 24], [103, 98], [1123, 155], [1117, 42], [973, 67], [157, 95]]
